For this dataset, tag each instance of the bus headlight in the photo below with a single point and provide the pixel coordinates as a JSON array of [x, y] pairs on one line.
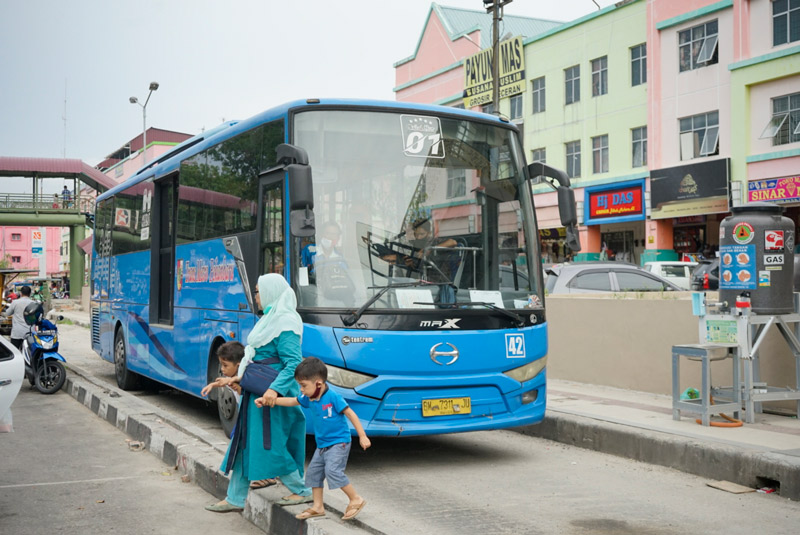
[[346, 378], [528, 371]]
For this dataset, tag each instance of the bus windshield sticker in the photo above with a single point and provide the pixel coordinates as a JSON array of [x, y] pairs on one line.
[[422, 136], [412, 297], [487, 296]]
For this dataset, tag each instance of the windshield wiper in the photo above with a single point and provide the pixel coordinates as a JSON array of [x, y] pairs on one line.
[[513, 315], [353, 317]]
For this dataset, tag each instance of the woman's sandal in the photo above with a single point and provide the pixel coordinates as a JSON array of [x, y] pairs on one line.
[[353, 510], [309, 513], [263, 483]]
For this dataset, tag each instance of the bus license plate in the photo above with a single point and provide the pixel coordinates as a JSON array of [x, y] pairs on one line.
[[445, 407]]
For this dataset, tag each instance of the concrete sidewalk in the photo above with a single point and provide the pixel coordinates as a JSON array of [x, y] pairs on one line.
[[635, 425]]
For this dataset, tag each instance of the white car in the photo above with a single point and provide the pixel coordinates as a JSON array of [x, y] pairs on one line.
[[679, 273], [12, 370]]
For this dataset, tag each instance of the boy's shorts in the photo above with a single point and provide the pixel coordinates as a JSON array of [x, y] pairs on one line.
[[328, 464]]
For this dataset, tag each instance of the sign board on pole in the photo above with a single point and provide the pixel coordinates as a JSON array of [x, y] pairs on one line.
[[478, 81], [36, 243]]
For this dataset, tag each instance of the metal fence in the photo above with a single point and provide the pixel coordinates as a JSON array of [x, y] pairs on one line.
[[26, 202]]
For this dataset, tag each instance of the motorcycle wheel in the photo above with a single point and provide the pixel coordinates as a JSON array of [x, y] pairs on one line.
[[50, 377]]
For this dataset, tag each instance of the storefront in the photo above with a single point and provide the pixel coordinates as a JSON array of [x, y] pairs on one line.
[[781, 190], [618, 211], [695, 197]]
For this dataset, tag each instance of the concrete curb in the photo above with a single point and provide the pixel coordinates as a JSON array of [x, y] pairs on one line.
[[197, 455], [750, 467]]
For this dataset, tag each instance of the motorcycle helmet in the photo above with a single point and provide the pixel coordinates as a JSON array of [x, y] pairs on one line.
[[33, 313]]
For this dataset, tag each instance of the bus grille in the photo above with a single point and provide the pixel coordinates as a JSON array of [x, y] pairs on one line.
[[95, 327]]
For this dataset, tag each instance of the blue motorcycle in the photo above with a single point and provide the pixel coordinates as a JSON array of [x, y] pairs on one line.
[[44, 366]]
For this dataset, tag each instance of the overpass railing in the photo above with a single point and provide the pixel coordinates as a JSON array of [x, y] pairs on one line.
[[27, 202]]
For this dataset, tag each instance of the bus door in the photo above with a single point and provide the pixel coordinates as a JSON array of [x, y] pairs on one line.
[[271, 223], [101, 285], [162, 287]]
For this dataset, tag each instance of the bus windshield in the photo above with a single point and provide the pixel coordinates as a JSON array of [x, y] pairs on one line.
[[436, 208]]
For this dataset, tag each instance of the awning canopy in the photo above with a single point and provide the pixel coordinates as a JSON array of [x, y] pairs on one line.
[[56, 168]]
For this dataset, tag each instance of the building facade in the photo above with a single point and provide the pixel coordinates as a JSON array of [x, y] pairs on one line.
[[664, 113]]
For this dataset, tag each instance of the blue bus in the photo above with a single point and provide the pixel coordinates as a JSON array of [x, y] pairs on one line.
[[407, 232]]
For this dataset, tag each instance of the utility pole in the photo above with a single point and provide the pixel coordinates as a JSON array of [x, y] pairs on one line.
[[495, 7]]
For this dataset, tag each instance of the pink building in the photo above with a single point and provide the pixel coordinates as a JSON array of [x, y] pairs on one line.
[[434, 73], [17, 243]]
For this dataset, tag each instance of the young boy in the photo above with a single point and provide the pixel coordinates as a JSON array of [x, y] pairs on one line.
[[230, 354], [328, 409]]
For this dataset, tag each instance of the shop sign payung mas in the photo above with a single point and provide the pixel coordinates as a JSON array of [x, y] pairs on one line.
[[478, 73]]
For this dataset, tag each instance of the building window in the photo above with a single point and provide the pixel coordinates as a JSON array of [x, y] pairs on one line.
[[600, 76], [16, 259], [456, 183], [573, 159], [537, 88], [459, 106], [539, 155], [516, 107], [639, 138], [488, 108], [784, 126], [697, 47], [600, 154], [572, 80], [699, 135], [16, 237], [638, 65], [785, 21]]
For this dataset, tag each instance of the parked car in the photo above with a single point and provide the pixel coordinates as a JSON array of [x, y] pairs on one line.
[[12, 369], [677, 272], [604, 277], [706, 275]]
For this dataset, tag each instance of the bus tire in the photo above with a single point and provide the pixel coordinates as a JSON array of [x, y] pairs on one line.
[[227, 400], [126, 379]]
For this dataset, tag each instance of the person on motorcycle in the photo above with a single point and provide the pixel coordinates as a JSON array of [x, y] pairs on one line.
[[19, 328]]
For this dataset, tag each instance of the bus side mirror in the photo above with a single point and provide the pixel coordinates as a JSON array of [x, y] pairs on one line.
[[566, 199], [301, 200]]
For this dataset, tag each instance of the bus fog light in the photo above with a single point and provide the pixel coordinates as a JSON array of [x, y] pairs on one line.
[[528, 371], [529, 396], [346, 378]]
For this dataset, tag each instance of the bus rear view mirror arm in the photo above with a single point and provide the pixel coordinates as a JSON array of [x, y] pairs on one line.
[[566, 199]]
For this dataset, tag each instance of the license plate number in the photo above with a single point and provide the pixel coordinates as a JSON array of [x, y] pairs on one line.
[[446, 407]]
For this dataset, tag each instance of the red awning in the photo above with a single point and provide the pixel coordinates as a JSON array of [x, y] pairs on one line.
[[85, 245]]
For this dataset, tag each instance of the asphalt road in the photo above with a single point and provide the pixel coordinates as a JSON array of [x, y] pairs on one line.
[[502, 482], [64, 470]]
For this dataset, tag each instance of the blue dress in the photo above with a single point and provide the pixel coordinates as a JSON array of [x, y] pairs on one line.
[[287, 424]]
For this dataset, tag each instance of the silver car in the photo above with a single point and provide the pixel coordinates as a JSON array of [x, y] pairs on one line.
[[603, 277]]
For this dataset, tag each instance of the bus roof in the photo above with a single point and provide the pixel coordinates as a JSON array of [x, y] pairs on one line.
[[169, 162]]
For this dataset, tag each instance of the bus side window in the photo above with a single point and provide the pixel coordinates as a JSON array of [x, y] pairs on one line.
[[272, 237]]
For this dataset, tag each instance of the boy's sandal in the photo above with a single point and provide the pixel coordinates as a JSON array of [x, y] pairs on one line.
[[263, 483], [353, 510], [309, 513]]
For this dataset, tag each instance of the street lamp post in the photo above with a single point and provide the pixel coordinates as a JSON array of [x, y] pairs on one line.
[[134, 100]]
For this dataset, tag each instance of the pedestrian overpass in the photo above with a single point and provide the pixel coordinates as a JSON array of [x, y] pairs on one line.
[[39, 209]]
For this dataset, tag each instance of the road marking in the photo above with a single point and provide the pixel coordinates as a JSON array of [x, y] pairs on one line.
[[101, 480]]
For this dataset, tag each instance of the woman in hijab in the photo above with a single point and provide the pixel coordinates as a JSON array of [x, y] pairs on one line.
[[277, 335]]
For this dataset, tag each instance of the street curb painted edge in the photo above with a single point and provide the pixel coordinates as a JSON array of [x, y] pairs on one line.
[[750, 467], [197, 457]]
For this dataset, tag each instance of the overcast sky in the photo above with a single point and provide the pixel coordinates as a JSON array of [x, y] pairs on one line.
[[214, 61]]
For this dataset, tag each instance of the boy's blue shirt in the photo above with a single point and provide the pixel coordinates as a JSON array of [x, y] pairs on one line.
[[330, 424]]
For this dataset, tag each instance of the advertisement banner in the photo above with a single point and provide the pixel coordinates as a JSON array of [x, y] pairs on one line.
[[776, 190], [695, 189], [615, 203], [478, 73]]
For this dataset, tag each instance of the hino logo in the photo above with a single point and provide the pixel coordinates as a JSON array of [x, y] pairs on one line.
[[449, 323], [453, 354]]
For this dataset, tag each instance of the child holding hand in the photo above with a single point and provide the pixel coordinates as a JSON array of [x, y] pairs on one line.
[[229, 354], [328, 410]]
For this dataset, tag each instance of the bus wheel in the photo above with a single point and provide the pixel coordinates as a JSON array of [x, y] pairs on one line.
[[126, 379], [228, 409]]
